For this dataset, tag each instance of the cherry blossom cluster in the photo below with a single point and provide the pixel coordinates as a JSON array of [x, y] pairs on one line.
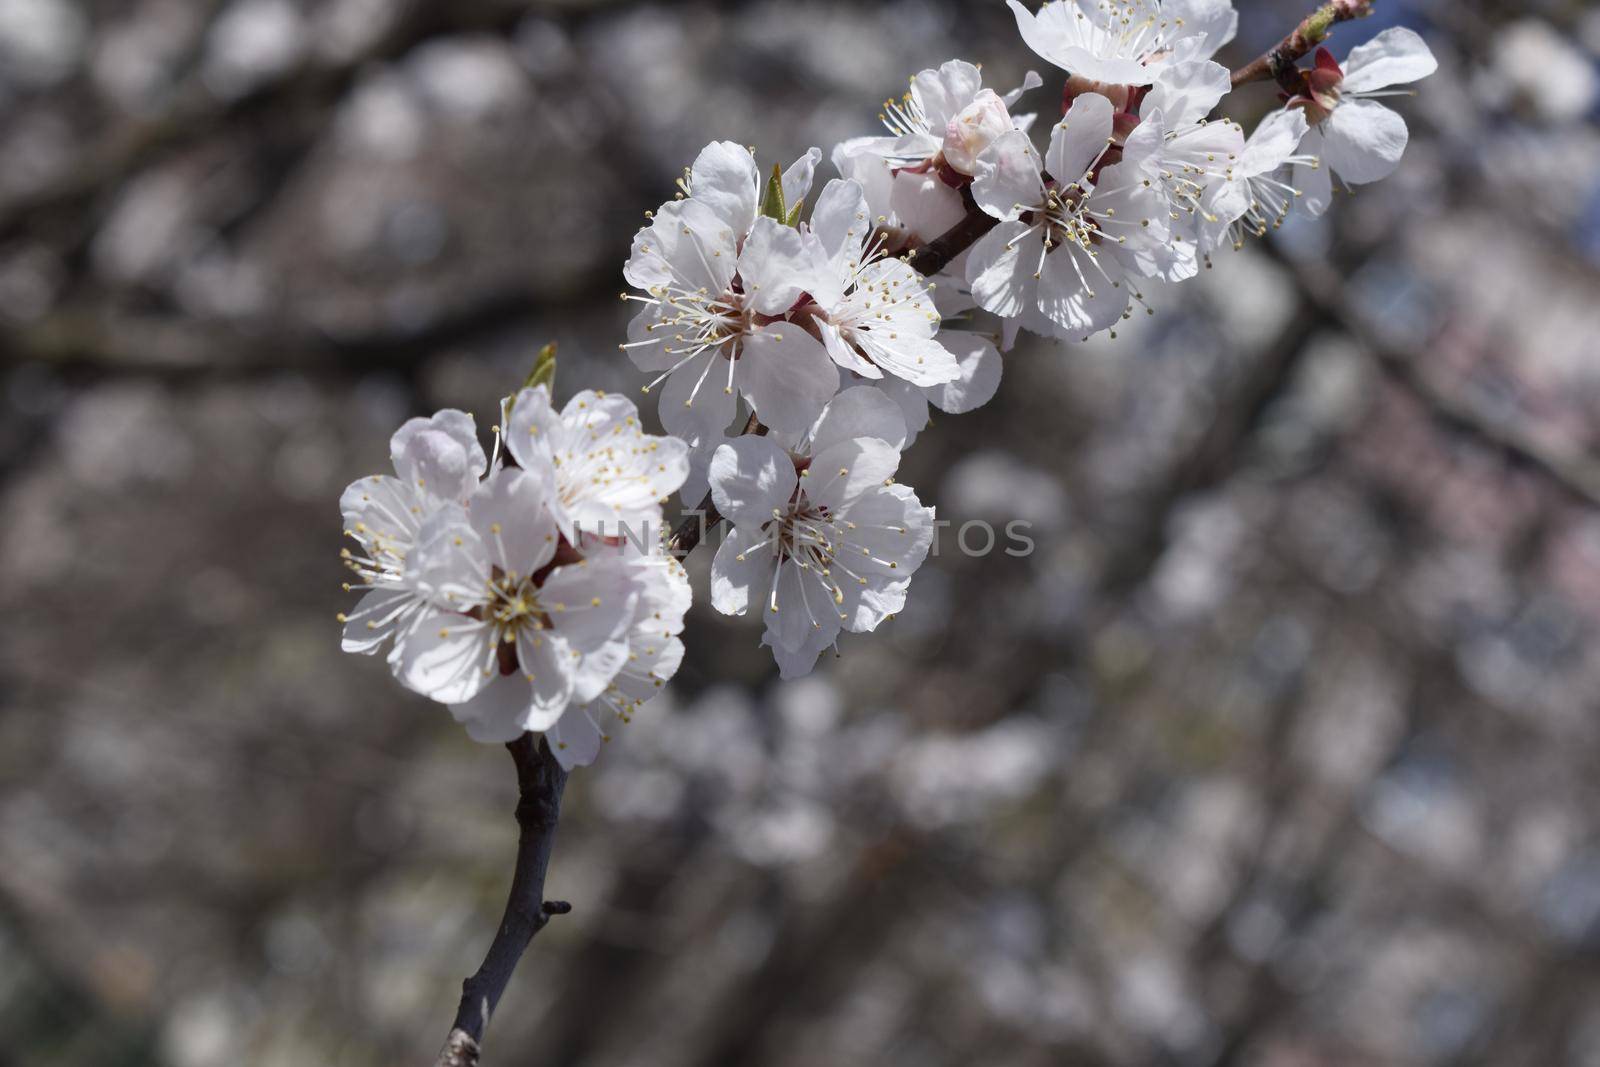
[[521, 592]]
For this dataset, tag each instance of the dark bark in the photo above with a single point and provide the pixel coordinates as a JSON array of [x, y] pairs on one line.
[[540, 781]]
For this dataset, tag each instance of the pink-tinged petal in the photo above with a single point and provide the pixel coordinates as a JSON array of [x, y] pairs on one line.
[[1083, 133], [980, 365], [1000, 274], [1397, 56], [1008, 180], [726, 179], [741, 571], [944, 92], [511, 520], [839, 474], [786, 375], [1363, 141], [496, 715], [860, 411], [750, 477], [445, 656]]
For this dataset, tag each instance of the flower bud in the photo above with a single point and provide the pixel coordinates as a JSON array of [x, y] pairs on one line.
[[971, 131]]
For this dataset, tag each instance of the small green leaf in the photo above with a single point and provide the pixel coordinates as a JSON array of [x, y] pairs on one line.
[[544, 369], [794, 213], [772, 205]]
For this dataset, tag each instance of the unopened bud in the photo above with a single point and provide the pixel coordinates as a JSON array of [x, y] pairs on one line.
[[974, 129]]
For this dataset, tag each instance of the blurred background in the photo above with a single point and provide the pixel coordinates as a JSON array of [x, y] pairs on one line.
[[1279, 750]]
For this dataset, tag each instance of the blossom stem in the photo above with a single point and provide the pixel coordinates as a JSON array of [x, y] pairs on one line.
[[540, 780], [1312, 31]]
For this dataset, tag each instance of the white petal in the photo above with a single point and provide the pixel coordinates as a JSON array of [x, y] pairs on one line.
[[497, 713], [944, 92], [1275, 139], [912, 404], [1397, 56], [590, 603], [742, 569], [841, 473], [726, 179], [575, 740], [841, 223], [1186, 92], [1363, 141], [1008, 180], [529, 430], [775, 266], [786, 375], [372, 621], [445, 656], [844, 354], [1000, 275], [860, 411], [546, 662], [806, 612], [1079, 138], [798, 664], [750, 477], [511, 520], [695, 403], [980, 365], [924, 205], [1315, 183], [1076, 296], [593, 671], [1215, 19], [440, 455], [797, 179]]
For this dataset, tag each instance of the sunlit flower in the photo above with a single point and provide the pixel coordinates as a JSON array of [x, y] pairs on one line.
[[823, 540], [437, 462], [1123, 42]]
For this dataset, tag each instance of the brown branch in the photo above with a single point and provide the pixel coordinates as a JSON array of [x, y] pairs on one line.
[[540, 781], [1312, 31]]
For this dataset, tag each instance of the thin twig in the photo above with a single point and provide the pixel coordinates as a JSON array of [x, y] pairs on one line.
[[540, 780], [1312, 31]]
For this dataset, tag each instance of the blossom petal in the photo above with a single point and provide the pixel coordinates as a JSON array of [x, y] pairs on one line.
[[774, 266], [696, 404], [742, 569], [750, 478], [786, 375], [1080, 138], [725, 178], [575, 740], [590, 603], [511, 520], [373, 620], [497, 713], [841, 473], [1363, 141], [860, 411], [795, 664], [980, 366], [445, 656], [944, 92], [546, 662], [441, 455], [1001, 278], [1008, 181], [798, 177], [1079, 292], [1186, 92], [1314, 182], [1397, 56]]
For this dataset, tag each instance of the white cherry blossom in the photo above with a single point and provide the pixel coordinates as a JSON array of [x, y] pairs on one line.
[[1124, 42], [713, 326], [531, 624], [875, 314], [1357, 138], [1058, 262], [823, 542], [1258, 198], [610, 476], [437, 462]]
